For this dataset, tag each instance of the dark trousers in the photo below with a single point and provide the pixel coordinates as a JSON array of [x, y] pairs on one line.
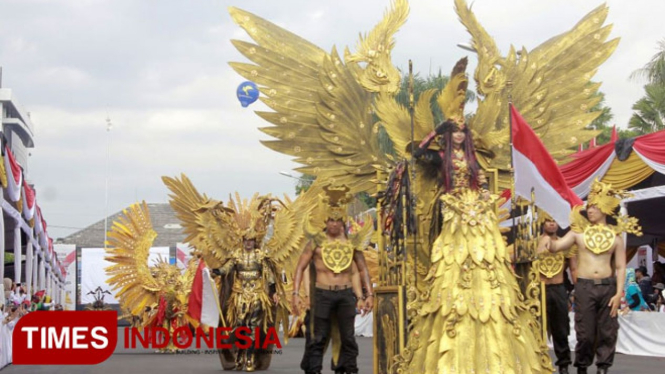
[[558, 322], [593, 325], [342, 305]]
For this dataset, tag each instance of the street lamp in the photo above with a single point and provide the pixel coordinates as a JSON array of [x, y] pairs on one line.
[[287, 174], [109, 126]]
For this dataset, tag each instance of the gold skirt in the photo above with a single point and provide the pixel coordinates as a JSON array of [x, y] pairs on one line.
[[473, 318]]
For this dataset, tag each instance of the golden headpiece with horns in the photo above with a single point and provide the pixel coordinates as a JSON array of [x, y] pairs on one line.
[[605, 198], [337, 199], [543, 217]]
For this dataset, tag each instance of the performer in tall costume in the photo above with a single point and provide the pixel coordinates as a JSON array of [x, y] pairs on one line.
[[600, 276], [552, 269], [233, 239], [331, 254], [474, 303]]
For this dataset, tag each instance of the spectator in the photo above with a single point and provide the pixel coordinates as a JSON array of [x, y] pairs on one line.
[[634, 297], [644, 282], [660, 300], [658, 272]]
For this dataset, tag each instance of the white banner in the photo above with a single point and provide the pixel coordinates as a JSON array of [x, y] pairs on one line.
[[93, 272], [67, 255]]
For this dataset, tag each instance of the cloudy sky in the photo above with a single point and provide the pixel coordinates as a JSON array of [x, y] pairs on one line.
[[158, 69]]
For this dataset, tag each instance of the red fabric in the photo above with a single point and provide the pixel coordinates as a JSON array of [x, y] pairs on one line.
[[195, 302], [528, 144], [29, 196], [161, 310], [614, 137], [651, 146], [16, 168], [585, 164]]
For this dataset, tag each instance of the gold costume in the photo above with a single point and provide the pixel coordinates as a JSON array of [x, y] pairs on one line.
[[153, 296], [473, 319], [249, 277]]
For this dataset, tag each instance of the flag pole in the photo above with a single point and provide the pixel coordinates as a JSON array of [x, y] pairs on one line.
[[513, 202], [412, 185]]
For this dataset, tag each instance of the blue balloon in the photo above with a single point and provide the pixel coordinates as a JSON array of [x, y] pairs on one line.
[[247, 93]]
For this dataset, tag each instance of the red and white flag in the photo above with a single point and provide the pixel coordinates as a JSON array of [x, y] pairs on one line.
[[535, 168], [203, 306]]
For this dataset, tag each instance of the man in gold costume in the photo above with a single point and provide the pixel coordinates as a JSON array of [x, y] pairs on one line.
[[249, 291], [552, 268], [249, 299], [599, 286], [332, 255]]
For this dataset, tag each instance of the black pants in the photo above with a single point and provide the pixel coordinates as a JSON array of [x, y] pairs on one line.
[[558, 322], [593, 325], [341, 304]]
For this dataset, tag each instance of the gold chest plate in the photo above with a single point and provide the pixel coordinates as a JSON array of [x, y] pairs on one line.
[[599, 238], [337, 256], [551, 264]]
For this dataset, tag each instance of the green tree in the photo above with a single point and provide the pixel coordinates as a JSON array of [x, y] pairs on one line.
[[649, 113], [654, 70], [650, 109], [304, 182], [603, 121]]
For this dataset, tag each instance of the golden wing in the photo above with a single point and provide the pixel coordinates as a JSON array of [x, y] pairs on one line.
[[288, 239], [206, 222], [550, 85], [321, 112], [129, 241]]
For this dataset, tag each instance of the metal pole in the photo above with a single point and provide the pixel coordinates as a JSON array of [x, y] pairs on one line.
[[109, 126]]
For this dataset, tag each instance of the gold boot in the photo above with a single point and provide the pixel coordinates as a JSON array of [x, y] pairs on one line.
[[250, 362], [241, 360]]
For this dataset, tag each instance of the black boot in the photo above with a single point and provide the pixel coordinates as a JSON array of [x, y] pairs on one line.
[[581, 371], [603, 370], [563, 369]]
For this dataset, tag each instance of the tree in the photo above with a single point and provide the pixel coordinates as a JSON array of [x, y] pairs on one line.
[[649, 113], [304, 182], [603, 121], [654, 70]]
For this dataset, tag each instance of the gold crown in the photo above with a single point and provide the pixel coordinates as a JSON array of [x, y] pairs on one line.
[[544, 216], [336, 198], [605, 198]]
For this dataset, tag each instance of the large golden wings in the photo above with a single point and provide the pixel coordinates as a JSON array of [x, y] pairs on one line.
[[129, 243], [322, 112], [550, 85], [206, 222]]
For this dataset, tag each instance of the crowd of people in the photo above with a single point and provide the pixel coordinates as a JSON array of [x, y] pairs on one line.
[[644, 292], [15, 304]]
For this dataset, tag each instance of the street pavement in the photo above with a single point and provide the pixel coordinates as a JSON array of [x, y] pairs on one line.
[[145, 361]]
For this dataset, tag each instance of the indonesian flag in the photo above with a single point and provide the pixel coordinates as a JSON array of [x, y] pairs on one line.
[[203, 307], [14, 176], [536, 169]]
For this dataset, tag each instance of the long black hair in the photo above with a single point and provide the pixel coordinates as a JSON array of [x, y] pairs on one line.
[[446, 143]]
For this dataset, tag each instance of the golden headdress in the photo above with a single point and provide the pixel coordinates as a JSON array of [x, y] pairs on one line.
[[543, 216], [452, 98], [250, 218], [606, 198], [336, 200]]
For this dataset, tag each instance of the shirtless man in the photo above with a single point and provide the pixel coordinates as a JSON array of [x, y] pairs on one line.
[[334, 296], [552, 275], [599, 288]]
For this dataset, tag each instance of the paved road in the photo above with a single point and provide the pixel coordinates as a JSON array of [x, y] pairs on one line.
[[124, 361]]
